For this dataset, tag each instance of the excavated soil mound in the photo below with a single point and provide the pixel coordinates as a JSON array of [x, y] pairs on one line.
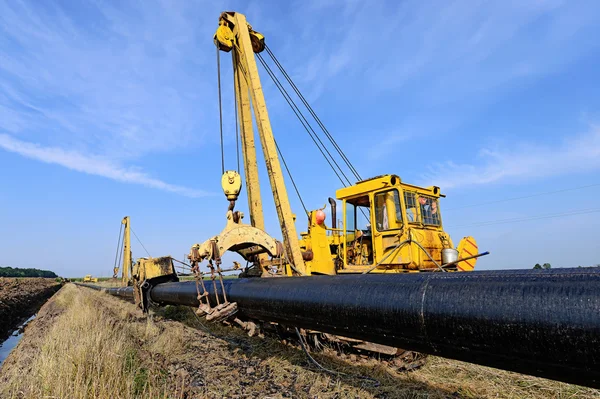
[[22, 297]]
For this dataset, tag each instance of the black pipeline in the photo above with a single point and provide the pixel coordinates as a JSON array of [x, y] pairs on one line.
[[538, 322]]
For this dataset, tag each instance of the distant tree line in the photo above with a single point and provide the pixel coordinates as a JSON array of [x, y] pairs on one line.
[[548, 266], [18, 272]]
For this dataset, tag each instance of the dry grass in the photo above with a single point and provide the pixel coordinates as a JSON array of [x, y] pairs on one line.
[[109, 283], [87, 353], [100, 346], [439, 378], [474, 381]]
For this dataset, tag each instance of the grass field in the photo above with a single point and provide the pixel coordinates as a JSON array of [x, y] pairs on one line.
[[87, 344]]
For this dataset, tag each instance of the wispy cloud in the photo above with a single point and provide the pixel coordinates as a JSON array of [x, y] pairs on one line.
[[100, 85], [93, 165], [521, 161], [125, 80], [439, 63], [120, 79], [458, 47]]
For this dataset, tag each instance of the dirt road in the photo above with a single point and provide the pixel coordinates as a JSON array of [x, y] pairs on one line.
[[22, 297]]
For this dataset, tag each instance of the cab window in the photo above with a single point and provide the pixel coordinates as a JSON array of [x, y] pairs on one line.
[[422, 208], [357, 214], [410, 200], [429, 210], [388, 212], [358, 238]]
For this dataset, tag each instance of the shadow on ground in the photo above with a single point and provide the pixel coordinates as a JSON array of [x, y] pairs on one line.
[[288, 358]]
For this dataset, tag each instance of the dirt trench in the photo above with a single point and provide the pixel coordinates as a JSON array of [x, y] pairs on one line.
[[20, 298]]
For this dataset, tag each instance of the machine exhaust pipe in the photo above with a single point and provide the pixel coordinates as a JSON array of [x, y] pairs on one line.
[[539, 322], [333, 205]]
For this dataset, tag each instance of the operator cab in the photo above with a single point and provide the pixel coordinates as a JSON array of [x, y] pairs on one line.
[[379, 214]]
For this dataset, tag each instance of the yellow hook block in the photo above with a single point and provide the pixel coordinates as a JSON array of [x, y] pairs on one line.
[[232, 184]]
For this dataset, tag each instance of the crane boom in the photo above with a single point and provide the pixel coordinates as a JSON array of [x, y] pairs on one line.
[[126, 251], [245, 63], [257, 218]]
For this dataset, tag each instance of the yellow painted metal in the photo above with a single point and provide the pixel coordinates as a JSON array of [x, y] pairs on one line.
[[467, 247], [246, 240], [317, 243], [248, 147], [147, 272], [400, 237], [127, 259], [232, 184], [404, 231], [89, 279], [245, 57], [367, 186], [150, 268], [224, 37]]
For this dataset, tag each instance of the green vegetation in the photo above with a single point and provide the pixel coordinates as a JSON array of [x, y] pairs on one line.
[[18, 272], [548, 266]]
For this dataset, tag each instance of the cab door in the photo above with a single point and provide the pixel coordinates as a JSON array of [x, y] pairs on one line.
[[357, 242], [388, 226]]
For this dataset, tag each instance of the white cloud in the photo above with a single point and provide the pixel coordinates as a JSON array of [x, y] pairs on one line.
[[521, 161], [125, 80], [96, 85], [448, 49], [93, 165], [128, 80]]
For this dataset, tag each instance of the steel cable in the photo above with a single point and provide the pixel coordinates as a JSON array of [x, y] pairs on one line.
[[220, 111], [305, 124], [313, 113], [118, 245], [235, 105], [136, 237], [290, 175]]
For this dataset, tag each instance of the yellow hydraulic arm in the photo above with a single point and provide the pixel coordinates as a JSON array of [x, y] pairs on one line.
[[234, 33], [127, 258], [126, 251]]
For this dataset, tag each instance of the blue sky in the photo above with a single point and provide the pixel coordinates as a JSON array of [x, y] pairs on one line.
[[110, 109]]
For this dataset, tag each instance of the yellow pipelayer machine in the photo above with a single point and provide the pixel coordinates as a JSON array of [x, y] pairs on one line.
[[145, 272], [387, 226]]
